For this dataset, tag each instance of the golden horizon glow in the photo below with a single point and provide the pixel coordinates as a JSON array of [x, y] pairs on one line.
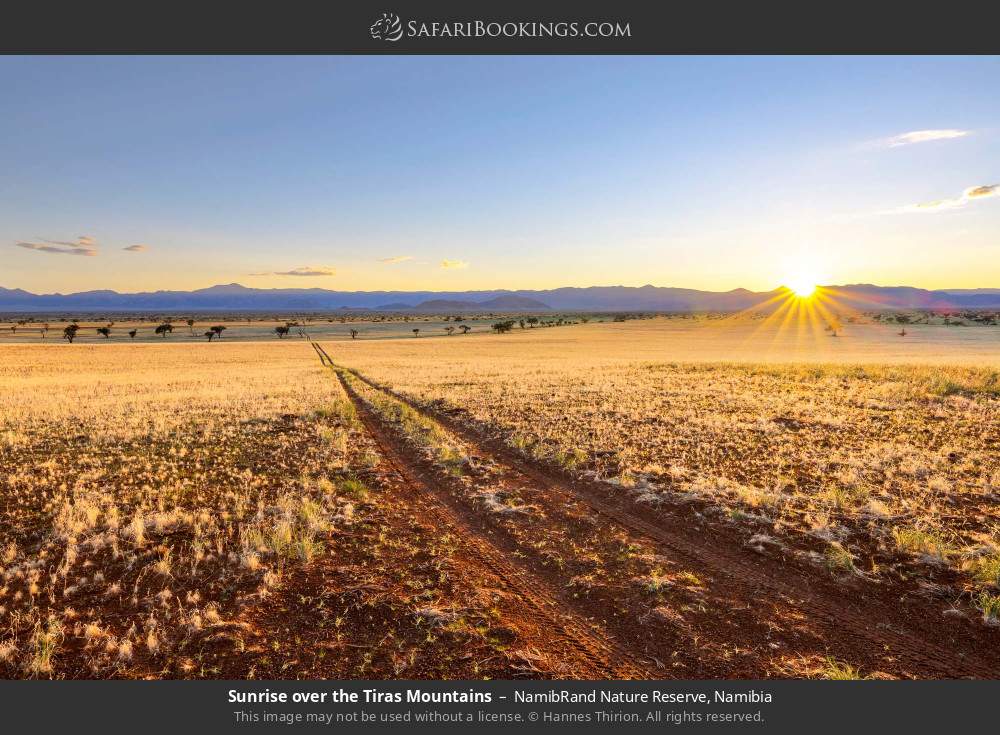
[[809, 314]]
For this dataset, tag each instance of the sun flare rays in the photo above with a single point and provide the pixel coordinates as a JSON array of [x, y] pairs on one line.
[[802, 314]]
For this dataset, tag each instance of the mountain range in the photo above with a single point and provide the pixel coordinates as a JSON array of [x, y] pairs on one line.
[[234, 296]]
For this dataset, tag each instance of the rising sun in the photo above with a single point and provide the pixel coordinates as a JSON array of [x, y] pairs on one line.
[[801, 277], [802, 287]]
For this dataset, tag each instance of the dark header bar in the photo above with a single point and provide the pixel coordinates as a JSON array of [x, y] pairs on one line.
[[449, 27]]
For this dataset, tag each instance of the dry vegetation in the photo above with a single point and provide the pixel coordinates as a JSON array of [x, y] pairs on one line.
[[195, 511], [882, 471], [147, 496], [228, 511]]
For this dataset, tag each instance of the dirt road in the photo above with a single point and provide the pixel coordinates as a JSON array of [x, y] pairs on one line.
[[749, 614]]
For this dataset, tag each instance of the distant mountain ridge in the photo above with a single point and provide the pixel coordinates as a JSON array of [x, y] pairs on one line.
[[234, 296], [500, 303]]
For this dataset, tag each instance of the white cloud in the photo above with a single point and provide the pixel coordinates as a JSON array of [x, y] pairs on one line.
[[982, 192], [140, 248], [923, 136], [395, 259], [307, 270], [453, 264], [972, 194]]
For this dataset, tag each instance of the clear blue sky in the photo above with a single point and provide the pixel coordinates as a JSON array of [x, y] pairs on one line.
[[484, 172]]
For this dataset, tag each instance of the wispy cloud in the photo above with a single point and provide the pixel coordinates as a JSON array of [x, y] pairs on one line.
[[982, 192], [972, 194], [308, 270], [83, 245], [923, 136], [395, 259], [136, 248], [453, 264]]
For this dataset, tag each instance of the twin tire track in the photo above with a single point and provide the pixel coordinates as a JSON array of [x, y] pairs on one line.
[[858, 623], [601, 657]]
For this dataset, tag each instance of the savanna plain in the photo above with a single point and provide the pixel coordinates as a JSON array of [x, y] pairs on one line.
[[649, 498]]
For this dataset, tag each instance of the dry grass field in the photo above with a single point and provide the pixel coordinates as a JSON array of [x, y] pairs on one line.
[[872, 469], [146, 491], [219, 511], [592, 501]]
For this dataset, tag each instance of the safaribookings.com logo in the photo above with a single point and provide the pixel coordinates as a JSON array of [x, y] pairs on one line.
[[387, 28], [390, 28]]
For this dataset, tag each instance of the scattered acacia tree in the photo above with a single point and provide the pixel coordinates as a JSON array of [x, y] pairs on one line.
[[104, 332], [449, 330], [218, 329], [521, 322], [132, 333], [354, 334], [282, 331], [532, 321], [190, 323], [164, 329], [69, 332], [416, 332], [501, 327], [465, 328], [210, 334]]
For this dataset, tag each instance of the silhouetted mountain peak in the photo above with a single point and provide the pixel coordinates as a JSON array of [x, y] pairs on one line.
[[225, 288]]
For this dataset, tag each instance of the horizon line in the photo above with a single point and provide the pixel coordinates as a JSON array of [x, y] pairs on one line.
[[485, 290]]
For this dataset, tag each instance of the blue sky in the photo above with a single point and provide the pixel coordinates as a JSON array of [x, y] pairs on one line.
[[488, 172]]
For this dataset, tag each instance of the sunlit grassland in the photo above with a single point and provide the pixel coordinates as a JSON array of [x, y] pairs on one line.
[[124, 391], [865, 459], [146, 492]]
